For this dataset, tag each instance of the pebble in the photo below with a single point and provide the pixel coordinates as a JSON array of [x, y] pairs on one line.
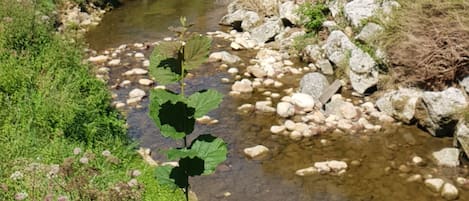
[[98, 59], [256, 152], [135, 71], [233, 71], [114, 62], [119, 105], [277, 129], [415, 178], [434, 184], [125, 83], [449, 192], [296, 135], [139, 55], [307, 171], [137, 93], [417, 160], [225, 80], [145, 82], [146, 63]]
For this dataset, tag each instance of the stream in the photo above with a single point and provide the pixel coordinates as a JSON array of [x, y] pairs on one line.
[[376, 176]]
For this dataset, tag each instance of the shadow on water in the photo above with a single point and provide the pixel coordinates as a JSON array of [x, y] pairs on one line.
[[272, 179]]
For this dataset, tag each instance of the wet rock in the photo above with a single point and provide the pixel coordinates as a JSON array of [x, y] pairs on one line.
[[290, 125], [246, 107], [233, 71], [369, 32], [119, 105], [313, 84], [243, 86], [114, 62], [434, 184], [264, 106], [344, 124], [438, 111], [135, 71], [137, 93], [400, 104], [288, 11], [223, 56], [448, 157], [145, 82], [98, 59], [358, 10], [257, 71], [139, 55], [462, 136], [206, 120], [146, 63], [285, 109], [333, 107], [277, 129], [325, 66], [304, 101], [267, 31], [296, 135], [465, 84], [415, 178], [331, 167], [348, 111], [103, 70], [449, 192], [256, 152], [307, 171], [312, 53], [417, 160]]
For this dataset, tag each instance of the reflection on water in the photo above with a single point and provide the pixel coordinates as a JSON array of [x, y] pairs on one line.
[[148, 20], [272, 179]]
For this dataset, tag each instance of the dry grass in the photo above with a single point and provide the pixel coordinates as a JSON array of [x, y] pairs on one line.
[[427, 42], [263, 7]]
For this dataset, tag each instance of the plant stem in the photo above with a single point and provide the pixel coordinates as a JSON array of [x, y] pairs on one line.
[[187, 192]]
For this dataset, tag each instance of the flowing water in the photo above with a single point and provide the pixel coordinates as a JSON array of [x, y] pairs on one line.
[[380, 154]]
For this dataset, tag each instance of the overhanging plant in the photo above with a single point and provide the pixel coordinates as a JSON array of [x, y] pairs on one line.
[[175, 113]]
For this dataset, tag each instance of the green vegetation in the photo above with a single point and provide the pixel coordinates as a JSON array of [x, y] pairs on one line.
[[300, 42], [59, 137], [313, 15], [175, 114]]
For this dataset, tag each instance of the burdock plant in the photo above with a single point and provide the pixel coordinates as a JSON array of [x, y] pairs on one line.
[[175, 113]]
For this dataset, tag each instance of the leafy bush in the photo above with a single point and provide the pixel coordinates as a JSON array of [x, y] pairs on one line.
[[313, 15]]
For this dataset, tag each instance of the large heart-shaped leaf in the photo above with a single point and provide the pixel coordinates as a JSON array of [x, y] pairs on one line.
[[166, 62], [211, 149], [163, 176], [175, 154], [171, 114], [205, 101], [196, 51]]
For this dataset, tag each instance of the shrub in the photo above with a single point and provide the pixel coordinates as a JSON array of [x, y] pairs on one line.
[[313, 15]]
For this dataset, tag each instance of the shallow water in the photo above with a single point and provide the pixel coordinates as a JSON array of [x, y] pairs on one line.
[[272, 179]]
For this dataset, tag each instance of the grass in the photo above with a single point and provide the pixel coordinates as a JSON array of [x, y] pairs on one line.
[[50, 104], [313, 15], [427, 42]]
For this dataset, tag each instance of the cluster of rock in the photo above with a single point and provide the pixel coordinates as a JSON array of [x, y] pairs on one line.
[[72, 17], [332, 167], [129, 59]]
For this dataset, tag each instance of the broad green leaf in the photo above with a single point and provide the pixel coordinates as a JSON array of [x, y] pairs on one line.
[[192, 166], [171, 114], [177, 120], [162, 174], [166, 61], [174, 154], [196, 51], [211, 149], [205, 101], [162, 96]]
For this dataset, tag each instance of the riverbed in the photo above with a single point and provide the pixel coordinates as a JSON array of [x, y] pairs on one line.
[[376, 176]]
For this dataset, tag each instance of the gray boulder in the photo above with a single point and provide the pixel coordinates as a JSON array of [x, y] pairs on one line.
[[325, 66], [267, 31], [287, 11], [448, 157], [462, 136], [343, 53], [247, 19], [400, 104], [370, 31], [465, 83], [438, 111], [312, 53], [358, 10], [313, 84], [223, 56]]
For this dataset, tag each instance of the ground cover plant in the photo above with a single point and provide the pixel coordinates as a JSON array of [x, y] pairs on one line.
[[59, 137]]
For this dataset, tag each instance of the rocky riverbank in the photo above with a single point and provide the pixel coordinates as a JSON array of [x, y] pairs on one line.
[[338, 85]]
